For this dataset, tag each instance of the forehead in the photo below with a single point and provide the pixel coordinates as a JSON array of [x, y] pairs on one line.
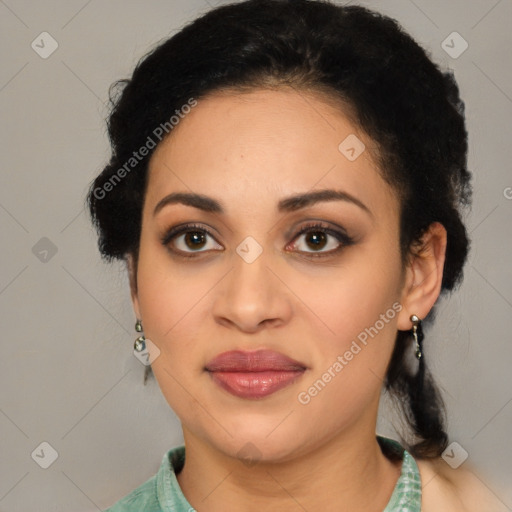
[[266, 143], [284, 125]]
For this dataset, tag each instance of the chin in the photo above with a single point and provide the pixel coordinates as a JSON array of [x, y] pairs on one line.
[[252, 444]]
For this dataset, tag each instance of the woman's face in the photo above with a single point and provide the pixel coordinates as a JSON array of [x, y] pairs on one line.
[[328, 298]]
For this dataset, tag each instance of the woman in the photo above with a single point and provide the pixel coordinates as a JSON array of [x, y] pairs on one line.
[[285, 186]]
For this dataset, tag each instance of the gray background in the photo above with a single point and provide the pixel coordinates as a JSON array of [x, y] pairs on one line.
[[68, 376]]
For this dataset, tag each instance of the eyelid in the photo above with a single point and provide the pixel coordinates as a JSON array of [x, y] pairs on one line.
[[184, 228], [321, 225]]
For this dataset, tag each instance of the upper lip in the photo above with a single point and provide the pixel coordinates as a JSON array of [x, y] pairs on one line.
[[254, 361]]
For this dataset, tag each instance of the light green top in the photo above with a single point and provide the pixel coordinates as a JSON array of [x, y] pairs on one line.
[[162, 492]]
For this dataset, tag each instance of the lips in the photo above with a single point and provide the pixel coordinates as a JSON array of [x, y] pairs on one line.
[[254, 375], [257, 361]]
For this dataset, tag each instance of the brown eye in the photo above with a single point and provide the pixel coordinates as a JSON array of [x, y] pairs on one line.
[[320, 240], [194, 239], [316, 239], [189, 239]]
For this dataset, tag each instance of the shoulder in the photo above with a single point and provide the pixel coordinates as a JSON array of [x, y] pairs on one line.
[[144, 497], [162, 487], [445, 489]]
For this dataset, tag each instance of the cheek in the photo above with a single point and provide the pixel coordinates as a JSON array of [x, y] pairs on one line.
[[171, 306], [360, 307], [169, 294], [352, 297], [362, 343], [350, 363]]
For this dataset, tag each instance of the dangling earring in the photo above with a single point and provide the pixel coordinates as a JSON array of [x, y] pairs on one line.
[[140, 346], [140, 342], [417, 333]]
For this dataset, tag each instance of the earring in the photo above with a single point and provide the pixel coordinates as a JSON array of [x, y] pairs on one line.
[[417, 333], [140, 342]]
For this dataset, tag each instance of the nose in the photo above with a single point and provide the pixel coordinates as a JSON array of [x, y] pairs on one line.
[[252, 297]]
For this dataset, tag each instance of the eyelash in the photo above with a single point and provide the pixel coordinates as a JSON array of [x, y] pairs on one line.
[[342, 237]]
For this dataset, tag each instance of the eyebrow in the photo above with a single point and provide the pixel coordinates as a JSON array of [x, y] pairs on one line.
[[288, 204]]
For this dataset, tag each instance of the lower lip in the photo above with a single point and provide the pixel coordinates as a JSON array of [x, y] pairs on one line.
[[254, 385]]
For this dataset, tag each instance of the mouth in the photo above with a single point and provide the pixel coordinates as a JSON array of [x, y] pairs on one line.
[[254, 375]]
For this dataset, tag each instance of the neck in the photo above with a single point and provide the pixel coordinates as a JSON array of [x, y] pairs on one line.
[[348, 472]]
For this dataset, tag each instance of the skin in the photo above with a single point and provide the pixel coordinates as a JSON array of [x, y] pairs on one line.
[[248, 151]]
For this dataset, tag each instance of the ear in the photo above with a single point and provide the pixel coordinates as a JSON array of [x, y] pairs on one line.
[[424, 275], [131, 267]]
